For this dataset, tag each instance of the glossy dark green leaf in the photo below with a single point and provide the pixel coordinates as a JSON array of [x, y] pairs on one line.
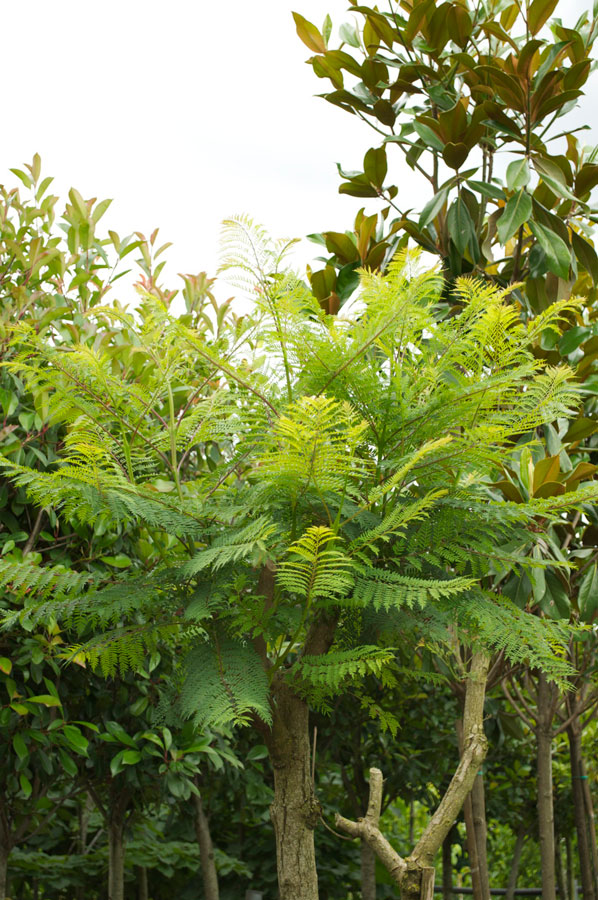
[[433, 207], [514, 215], [375, 166], [588, 594], [518, 174], [586, 255], [460, 225], [573, 338], [558, 255]]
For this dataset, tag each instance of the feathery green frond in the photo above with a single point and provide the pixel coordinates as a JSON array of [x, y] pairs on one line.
[[315, 571]]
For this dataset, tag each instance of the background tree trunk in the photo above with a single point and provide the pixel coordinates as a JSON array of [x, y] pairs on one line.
[[478, 807], [4, 852], [447, 867], [295, 810], [143, 889], [582, 825], [591, 822], [515, 861], [206, 851], [116, 845], [545, 791], [560, 871], [368, 872]]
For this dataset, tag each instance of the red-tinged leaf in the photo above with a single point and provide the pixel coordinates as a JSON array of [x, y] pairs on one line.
[[309, 34], [5, 665]]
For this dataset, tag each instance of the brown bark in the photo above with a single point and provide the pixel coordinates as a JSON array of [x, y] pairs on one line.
[[5, 848], [447, 867], [368, 872], [515, 861], [472, 849], [591, 820], [142, 885], [579, 811], [560, 872], [478, 804], [295, 810], [4, 852], [571, 887], [206, 851], [415, 875], [545, 789], [116, 845]]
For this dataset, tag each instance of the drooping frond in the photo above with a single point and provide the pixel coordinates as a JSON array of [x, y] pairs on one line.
[[385, 589], [233, 545], [338, 668], [223, 682], [495, 621]]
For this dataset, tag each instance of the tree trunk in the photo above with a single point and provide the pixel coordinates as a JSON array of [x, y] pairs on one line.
[[295, 810], [478, 806], [515, 861], [470, 835], [4, 852], [368, 872], [116, 846], [560, 872], [590, 818], [570, 869], [545, 792], [415, 875], [206, 851], [143, 889], [582, 824], [447, 867]]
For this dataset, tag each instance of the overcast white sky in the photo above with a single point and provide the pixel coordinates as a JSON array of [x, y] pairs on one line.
[[186, 112]]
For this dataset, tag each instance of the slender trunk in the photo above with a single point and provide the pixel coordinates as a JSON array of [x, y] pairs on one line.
[[4, 852], [591, 820], [206, 851], [560, 872], [295, 810], [571, 887], [5, 848], [85, 810], [447, 867], [515, 861], [368, 872], [116, 846], [545, 792], [478, 806], [143, 889], [582, 825], [472, 849]]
